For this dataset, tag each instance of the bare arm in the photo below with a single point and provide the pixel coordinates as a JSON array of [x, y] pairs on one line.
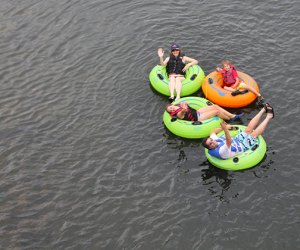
[[227, 135], [236, 83], [224, 127], [184, 105], [160, 53], [181, 113], [237, 79], [191, 61]]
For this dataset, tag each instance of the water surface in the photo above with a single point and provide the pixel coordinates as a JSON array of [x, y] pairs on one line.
[[86, 162]]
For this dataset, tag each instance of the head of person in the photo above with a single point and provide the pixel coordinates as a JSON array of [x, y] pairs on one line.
[[226, 64], [170, 108], [176, 49], [209, 143]]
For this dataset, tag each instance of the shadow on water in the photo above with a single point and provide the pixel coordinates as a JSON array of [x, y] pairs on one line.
[[179, 142], [217, 180], [261, 170]]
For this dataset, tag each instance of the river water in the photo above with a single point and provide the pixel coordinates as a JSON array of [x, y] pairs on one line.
[[86, 162]]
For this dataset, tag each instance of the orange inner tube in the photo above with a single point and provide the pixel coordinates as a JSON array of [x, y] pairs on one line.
[[215, 93]]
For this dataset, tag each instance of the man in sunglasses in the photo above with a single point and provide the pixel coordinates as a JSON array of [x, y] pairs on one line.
[[177, 64], [228, 147]]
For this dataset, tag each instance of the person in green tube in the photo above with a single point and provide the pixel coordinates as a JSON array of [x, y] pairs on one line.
[[177, 64], [224, 148], [184, 112]]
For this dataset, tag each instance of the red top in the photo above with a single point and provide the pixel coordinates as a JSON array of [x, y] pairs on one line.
[[229, 77], [176, 111]]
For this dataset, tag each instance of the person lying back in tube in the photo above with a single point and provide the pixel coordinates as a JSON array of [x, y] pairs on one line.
[[228, 147]]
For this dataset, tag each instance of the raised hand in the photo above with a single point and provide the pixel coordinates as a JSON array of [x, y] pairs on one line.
[[160, 52]]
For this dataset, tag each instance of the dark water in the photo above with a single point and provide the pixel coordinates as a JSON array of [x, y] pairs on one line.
[[86, 162]]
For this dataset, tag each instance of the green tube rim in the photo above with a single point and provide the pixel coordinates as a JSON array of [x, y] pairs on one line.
[[193, 80], [247, 159], [186, 129]]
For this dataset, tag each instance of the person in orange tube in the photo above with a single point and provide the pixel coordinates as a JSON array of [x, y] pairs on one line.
[[233, 83]]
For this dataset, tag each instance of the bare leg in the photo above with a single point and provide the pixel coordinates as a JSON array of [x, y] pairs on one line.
[[252, 90], [254, 121], [211, 113], [171, 86], [261, 127], [208, 114], [221, 111], [229, 88], [178, 86], [244, 86]]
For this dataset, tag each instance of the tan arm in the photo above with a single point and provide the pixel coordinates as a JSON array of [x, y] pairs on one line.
[[227, 135], [191, 61]]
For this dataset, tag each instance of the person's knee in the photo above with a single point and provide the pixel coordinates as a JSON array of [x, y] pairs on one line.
[[172, 82], [216, 107], [253, 134], [247, 130], [178, 84], [178, 80]]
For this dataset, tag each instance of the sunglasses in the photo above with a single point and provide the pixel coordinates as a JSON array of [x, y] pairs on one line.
[[210, 143], [175, 50]]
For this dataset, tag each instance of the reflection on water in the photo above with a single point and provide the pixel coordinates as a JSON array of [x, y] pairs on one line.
[[218, 182]]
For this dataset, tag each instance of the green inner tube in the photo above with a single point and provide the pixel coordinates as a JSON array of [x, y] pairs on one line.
[[247, 159], [194, 78], [187, 129]]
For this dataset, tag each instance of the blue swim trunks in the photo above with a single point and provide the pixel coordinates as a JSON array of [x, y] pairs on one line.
[[246, 140]]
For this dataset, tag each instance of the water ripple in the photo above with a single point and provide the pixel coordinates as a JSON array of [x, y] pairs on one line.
[[86, 161]]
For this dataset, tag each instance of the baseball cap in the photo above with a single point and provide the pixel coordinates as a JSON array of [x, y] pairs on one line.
[[175, 46]]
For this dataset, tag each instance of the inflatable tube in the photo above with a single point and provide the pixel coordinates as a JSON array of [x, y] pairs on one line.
[[215, 93], [186, 129], [247, 159], [193, 80]]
